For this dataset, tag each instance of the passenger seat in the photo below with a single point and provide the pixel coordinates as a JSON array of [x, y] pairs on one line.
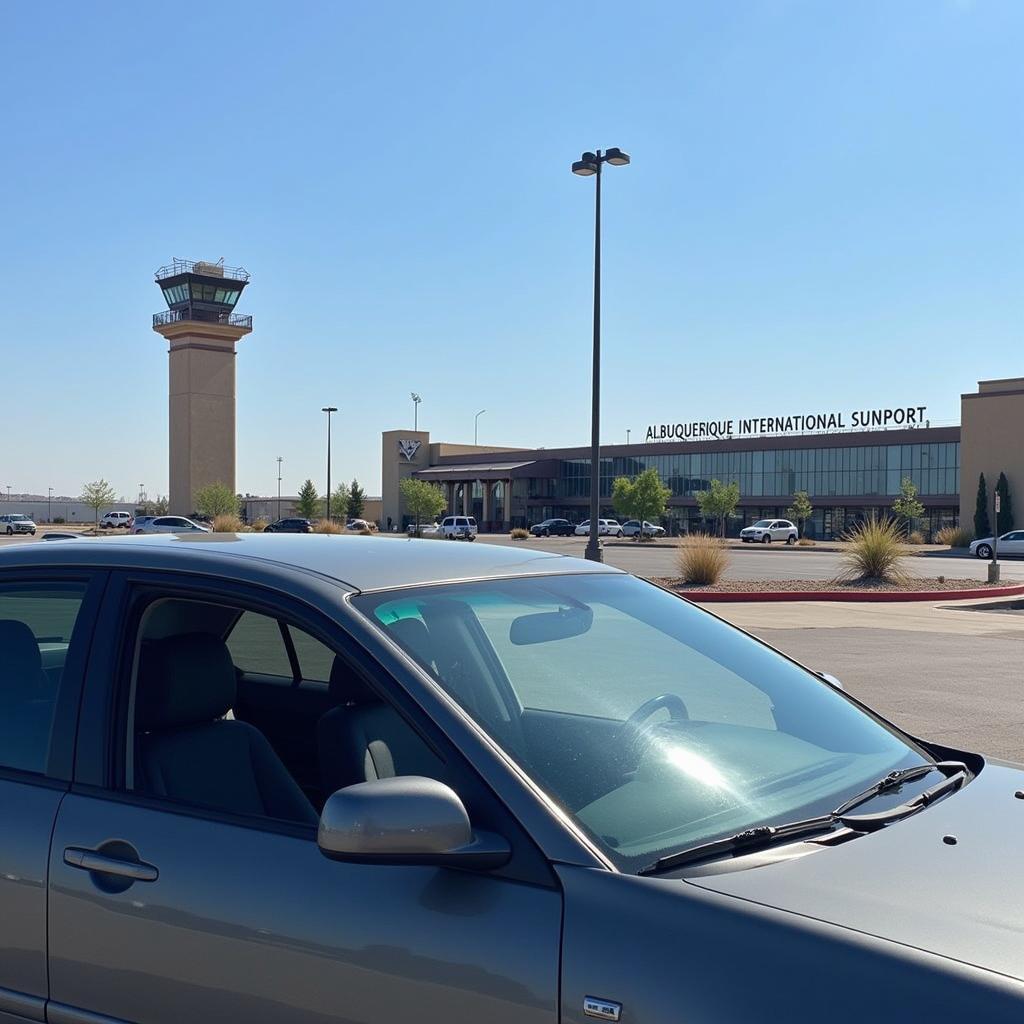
[[26, 713], [364, 738]]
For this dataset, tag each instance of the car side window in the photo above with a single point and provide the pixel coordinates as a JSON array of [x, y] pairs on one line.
[[256, 645], [36, 626]]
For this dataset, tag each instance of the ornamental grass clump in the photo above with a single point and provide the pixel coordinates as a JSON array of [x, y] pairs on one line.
[[954, 537], [702, 559], [520, 534], [327, 526], [874, 551], [227, 524]]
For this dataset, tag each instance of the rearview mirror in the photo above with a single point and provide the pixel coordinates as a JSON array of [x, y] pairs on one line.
[[831, 680], [405, 820], [544, 626]]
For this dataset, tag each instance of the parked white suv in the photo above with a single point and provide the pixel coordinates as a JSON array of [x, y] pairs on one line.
[[15, 522], [605, 528], [764, 531], [458, 528], [112, 520], [632, 527]]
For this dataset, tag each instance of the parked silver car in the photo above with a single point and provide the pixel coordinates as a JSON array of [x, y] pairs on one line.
[[167, 524], [287, 779]]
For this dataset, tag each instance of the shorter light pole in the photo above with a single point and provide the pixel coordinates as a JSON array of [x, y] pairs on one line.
[[279, 460], [329, 409], [627, 435], [476, 425], [415, 410], [993, 566], [49, 498]]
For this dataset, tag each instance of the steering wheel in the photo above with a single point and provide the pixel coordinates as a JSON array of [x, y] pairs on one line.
[[634, 728]]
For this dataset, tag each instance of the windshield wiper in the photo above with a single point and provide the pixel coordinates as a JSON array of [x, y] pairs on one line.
[[764, 836]]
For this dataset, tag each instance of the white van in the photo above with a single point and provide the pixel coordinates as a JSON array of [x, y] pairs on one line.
[[111, 520], [458, 528]]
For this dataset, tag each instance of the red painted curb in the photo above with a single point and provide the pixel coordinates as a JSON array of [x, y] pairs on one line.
[[854, 595]]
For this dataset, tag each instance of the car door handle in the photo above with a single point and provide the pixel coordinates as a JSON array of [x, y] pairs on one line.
[[90, 860]]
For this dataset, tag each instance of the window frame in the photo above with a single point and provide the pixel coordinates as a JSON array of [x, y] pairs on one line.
[[64, 727]]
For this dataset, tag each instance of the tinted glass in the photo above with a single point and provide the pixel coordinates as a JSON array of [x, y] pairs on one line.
[[554, 667], [256, 645], [36, 626]]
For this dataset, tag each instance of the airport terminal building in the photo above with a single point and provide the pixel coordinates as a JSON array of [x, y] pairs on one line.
[[850, 463]]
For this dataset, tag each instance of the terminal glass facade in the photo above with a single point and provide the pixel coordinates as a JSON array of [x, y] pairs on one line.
[[855, 471]]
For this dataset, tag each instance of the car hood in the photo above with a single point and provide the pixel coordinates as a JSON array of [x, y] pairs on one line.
[[905, 883]]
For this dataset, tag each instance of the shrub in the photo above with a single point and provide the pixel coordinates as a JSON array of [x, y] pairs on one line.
[[259, 525], [954, 536], [915, 537], [327, 526], [874, 551], [702, 559], [805, 542], [520, 534], [228, 524], [58, 519]]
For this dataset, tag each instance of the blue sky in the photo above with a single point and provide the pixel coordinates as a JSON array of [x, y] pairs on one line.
[[825, 209]]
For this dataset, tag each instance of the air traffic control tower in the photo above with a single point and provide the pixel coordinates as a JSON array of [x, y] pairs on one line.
[[201, 328]]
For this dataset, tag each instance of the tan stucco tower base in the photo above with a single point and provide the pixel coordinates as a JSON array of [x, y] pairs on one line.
[[992, 442], [201, 437]]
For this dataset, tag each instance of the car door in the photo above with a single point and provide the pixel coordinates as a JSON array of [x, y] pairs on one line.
[[1012, 543], [46, 622], [213, 915]]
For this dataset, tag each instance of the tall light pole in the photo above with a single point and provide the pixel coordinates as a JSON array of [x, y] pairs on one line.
[[279, 460], [476, 425], [329, 409], [49, 498], [627, 435], [415, 410], [590, 164]]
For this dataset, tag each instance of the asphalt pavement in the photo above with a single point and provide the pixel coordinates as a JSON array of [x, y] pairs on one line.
[[951, 673]]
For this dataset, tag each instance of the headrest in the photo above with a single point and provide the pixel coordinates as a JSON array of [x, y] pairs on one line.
[[345, 687], [21, 665], [183, 680], [412, 635]]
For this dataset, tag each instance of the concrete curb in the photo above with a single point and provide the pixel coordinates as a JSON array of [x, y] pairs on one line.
[[706, 597]]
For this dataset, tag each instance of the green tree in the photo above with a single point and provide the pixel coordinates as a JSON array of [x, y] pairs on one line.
[[96, 495], [644, 497], [216, 500], [719, 502], [339, 503], [422, 500], [1004, 518], [356, 500], [801, 510], [308, 503], [906, 506], [982, 525]]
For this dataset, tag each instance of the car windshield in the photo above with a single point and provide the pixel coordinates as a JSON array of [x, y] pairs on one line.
[[20, 519], [763, 523], [654, 724]]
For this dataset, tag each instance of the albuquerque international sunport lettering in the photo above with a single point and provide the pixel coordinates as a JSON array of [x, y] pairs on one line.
[[859, 419]]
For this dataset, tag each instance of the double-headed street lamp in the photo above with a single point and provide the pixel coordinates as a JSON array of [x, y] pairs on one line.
[[587, 165], [329, 409], [415, 410]]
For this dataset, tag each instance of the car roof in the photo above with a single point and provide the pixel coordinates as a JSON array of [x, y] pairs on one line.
[[358, 563]]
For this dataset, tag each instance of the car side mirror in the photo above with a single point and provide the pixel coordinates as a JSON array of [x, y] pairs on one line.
[[405, 820], [831, 680]]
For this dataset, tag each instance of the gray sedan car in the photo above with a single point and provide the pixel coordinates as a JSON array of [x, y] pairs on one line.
[[267, 778]]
